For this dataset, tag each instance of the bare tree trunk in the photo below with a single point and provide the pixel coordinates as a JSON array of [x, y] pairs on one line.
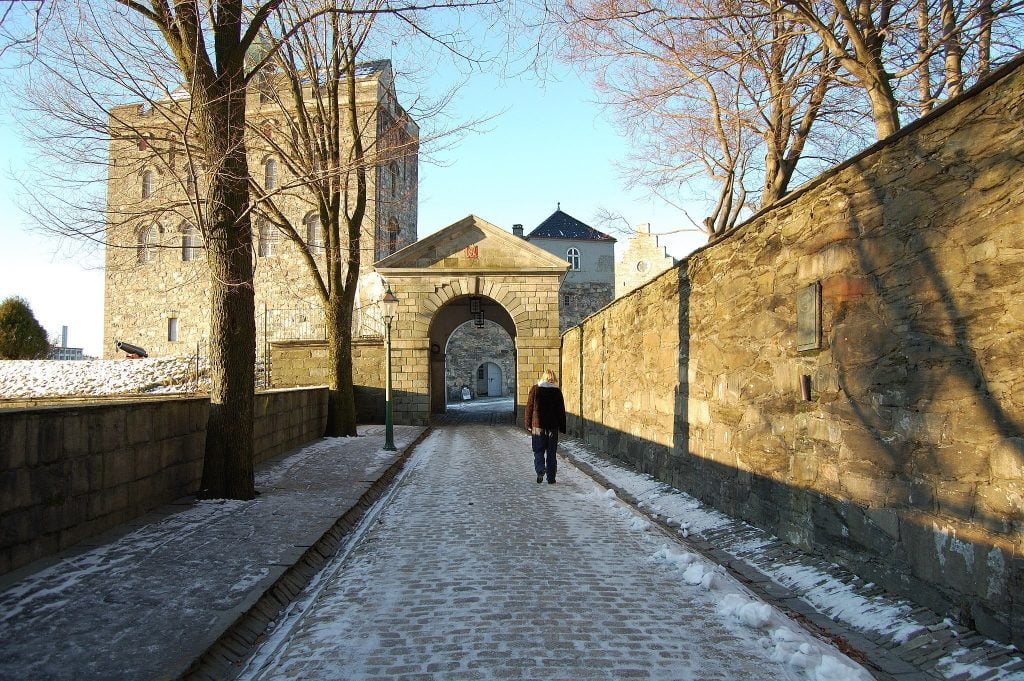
[[341, 407], [953, 50], [985, 19], [924, 74], [884, 109], [228, 466]]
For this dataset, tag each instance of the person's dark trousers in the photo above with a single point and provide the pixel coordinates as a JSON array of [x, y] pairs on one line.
[[544, 445]]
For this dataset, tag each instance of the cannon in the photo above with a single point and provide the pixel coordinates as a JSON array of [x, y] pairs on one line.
[[134, 351]]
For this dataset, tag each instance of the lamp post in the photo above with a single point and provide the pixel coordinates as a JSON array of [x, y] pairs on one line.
[[389, 310]]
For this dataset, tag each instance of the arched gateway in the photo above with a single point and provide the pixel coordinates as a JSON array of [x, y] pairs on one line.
[[470, 270]]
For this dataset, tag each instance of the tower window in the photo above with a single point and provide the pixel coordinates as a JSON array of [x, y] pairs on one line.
[[190, 243], [145, 246], [573, 258], [314, 233], [268, 239], [270, 173], [393, 231], [147, 184], [172, 329]]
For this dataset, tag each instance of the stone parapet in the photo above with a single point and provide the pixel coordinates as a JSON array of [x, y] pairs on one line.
[[68, 473]]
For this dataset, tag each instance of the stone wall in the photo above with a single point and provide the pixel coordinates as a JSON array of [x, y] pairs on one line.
[[304, 363], [286, 419], [907, 462], [68, 473], [468, 348]]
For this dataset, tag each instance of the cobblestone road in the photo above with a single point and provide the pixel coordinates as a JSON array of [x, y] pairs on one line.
[[474, 571]]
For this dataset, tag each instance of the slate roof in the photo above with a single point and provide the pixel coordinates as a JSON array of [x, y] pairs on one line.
[[561, 225]]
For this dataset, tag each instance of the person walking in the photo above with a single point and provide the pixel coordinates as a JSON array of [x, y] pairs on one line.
[[544, 419]]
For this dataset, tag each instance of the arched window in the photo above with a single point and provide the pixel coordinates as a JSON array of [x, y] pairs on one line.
[[314, 233], [268, 239], [270, 173], [147, 184], [191, 243], [393, 167], [573, 257], [144, 248], [393, 232], [190, 179]]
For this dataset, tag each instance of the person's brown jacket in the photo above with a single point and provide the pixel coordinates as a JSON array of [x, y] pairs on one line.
[[545, 408]]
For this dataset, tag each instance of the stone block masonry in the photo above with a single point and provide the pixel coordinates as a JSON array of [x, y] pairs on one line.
[[304, 363], [905, 465], [68, 473]]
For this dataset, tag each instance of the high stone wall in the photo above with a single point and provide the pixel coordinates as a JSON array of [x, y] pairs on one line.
[[907, 463]]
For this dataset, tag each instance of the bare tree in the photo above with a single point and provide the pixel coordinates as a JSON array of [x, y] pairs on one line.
[[330, 137], [879, 43], [706, 89]]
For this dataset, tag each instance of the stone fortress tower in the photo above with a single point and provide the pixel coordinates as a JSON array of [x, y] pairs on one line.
[[482, 358], [156, 293]]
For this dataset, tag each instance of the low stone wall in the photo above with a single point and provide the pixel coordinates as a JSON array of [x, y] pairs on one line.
[[906, 463], [304, 363], [68, 473], [286, 419]]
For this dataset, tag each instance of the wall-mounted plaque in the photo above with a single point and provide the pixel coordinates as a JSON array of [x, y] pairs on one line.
[[808, 317]]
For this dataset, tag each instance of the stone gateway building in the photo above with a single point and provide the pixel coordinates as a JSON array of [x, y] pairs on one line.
[[481, 356], [156, 293]]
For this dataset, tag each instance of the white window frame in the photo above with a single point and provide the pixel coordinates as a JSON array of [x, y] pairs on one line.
[[172, 329], [572, 256], [190, 244], [267, 239]]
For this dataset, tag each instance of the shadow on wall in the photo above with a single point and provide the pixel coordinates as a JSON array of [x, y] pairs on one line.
[[907, 465]]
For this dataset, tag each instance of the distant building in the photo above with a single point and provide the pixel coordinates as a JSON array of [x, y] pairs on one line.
[[643, 259], [62, 351], [590, 283]]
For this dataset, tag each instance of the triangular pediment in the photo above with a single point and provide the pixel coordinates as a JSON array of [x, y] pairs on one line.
[[472, 245]]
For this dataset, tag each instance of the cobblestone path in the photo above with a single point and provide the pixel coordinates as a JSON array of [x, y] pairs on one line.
[[475, 571]]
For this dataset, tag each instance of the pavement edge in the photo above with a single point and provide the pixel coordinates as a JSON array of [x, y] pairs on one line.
[[224, 658]]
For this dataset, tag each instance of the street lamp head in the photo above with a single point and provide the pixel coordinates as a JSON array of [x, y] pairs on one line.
[[389, 306]]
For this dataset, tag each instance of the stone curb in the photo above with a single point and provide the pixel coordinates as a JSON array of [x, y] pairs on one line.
[[224, 658], [880, 660]]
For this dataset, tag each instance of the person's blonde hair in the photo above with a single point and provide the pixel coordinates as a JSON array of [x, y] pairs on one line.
[[549, 375]]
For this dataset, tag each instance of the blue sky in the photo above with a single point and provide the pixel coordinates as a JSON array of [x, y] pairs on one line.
[[551, 143]]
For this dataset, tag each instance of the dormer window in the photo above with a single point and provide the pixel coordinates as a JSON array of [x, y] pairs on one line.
[[147, 184], [572, 256]]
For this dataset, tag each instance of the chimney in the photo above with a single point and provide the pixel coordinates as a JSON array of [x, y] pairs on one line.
[[63, 336], [517, 230]]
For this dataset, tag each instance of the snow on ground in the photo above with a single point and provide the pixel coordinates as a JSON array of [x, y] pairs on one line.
[[888, 616], [482, 404], [95, 377], [777, 635]]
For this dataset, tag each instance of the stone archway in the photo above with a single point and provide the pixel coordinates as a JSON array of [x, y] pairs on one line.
[[437, 280], [446, 320]]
